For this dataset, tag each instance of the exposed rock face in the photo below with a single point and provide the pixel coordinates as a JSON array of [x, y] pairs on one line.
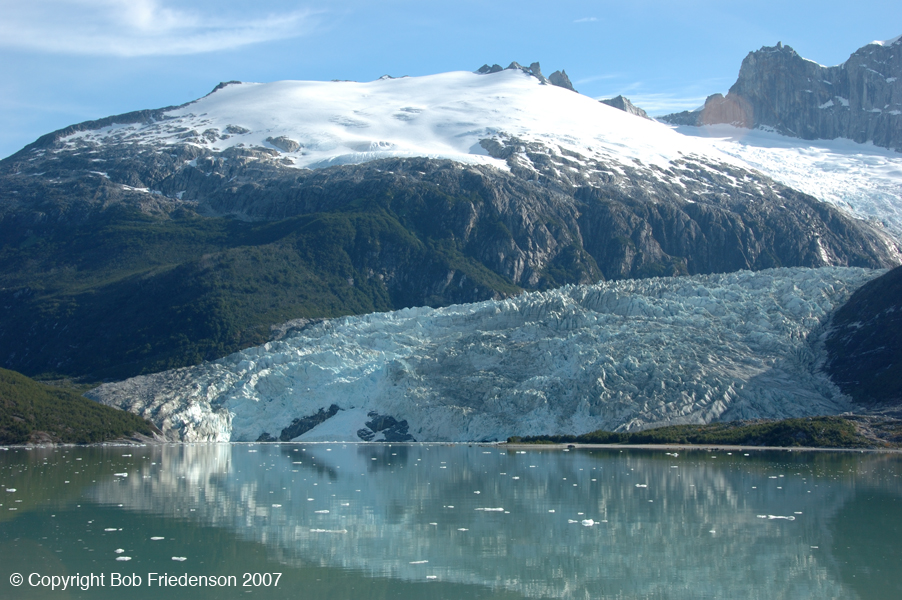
[[625, 105], [860, 99], [486, 69], [865, 343], [283, 143], [302, 425], [391, 429], [560, 79]]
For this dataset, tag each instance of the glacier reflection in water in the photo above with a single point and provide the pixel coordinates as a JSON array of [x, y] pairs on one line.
[[467, 521]]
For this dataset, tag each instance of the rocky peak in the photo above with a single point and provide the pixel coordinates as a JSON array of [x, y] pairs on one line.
[[558, 78], [625, 105], [777, 88]]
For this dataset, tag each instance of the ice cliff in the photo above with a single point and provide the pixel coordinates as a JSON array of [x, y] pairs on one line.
[[619, 355]]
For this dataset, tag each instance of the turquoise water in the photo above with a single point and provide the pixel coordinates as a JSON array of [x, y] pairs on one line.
[[417, 521]]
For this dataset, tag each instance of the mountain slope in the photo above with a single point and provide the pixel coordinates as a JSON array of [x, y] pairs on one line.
[[31, 412], [777, 89], [162, 238]]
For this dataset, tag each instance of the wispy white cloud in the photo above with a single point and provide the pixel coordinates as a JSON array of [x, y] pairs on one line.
[[592, 78], [136, 27], [586, 20]]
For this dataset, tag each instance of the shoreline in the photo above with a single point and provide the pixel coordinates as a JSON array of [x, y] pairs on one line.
[[705, 447], [503, 445]]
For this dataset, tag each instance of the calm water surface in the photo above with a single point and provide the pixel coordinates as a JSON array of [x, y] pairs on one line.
[[367, 521]]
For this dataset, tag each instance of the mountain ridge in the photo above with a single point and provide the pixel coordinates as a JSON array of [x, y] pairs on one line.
[[184, 235], [860, 99]]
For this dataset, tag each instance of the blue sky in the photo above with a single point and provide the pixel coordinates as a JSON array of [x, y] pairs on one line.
[[66, 61]]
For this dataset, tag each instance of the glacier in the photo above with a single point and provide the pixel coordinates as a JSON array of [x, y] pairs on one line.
[[621, 356], [864, 180]]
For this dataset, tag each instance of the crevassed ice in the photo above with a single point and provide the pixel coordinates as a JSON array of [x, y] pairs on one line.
[[619, 356]]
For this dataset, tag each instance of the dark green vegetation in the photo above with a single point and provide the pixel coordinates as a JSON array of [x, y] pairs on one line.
[[811, 432], [38, 413], [136, 294], [865, 343]]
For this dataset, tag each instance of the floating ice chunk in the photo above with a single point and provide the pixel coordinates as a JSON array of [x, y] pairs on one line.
[[419, 562], [123, 558], [587, 522], [179, 558], [328, 531]]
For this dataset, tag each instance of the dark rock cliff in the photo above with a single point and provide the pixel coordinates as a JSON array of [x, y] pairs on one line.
[[865, 343]]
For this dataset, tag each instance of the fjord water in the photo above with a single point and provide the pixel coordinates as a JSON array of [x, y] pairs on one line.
[[453, 521]]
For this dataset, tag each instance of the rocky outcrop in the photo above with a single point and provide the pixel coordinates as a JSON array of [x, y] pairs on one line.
[[865, 344], [302, 425], [625, 105], [860, 99], [284, 144], [391, 429], [558, 78]]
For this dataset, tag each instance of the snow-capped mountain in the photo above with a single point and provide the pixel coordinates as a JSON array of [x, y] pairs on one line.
[[315, 124], [616, 356], [183, 233]]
